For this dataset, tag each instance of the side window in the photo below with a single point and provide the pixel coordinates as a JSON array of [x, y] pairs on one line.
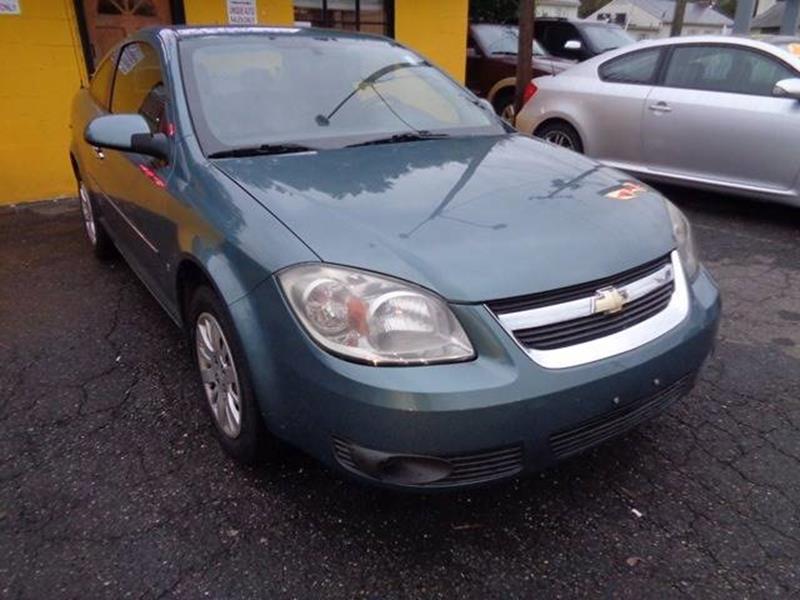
[[139, 85], [559, 34], [636, 67], [100, 86], [724, 69]]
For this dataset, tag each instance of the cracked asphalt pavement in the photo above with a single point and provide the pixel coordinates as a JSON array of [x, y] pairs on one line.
[[111, 485]]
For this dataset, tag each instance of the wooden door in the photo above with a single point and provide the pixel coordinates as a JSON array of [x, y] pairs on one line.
[[109, 21]]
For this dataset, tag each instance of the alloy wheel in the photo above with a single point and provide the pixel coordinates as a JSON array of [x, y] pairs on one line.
[[219, 376], [508, 113], [559, 138], [88, 214]]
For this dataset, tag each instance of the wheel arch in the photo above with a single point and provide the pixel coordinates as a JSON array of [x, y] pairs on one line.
[[500, 87], [189, 275]]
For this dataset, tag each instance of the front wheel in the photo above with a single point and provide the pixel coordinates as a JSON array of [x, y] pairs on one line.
[[561, 134], [229, 397]]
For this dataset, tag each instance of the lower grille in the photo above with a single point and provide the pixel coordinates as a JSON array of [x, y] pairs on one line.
[[611, 424], [479, 467]]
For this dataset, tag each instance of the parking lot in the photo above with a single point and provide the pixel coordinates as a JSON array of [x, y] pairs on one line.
[[112, 486]]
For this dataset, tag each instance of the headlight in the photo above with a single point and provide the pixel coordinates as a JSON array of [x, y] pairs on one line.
[[684, 239], [374, 319]]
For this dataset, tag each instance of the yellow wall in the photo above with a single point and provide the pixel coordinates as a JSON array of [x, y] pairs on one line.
[[437, 29], [41, 69], [44, 66]]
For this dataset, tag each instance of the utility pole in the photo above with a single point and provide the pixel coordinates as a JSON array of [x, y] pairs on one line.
[[524, 51], [677, 18]]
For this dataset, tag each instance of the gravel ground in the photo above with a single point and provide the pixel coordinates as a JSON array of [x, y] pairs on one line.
[[112, 486]]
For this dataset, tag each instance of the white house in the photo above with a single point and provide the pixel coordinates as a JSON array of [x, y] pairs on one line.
[[566, 9], [769, 16], [646, 19]]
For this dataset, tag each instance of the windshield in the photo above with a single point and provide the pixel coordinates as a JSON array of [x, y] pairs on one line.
[[604, 37], [248, 91], [502, 39]]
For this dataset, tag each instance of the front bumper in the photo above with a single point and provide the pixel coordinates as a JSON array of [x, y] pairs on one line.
[[492, 418]]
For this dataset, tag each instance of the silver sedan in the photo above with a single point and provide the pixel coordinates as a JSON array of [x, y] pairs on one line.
[[713, 112]]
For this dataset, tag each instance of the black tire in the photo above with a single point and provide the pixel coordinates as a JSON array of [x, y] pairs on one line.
[[503, 103], [101, 243], [249, 445], [561, 134]]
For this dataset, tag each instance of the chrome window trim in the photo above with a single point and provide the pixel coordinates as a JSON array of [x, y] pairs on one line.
[[616, 343]]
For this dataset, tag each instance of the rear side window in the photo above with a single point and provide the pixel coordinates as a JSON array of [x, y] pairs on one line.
[[139, 85], [100, 87], [636, 67], [724, 69], [555, 35]]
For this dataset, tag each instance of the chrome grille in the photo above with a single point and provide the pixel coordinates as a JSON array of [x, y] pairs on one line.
[[576, 331], [559, 320]]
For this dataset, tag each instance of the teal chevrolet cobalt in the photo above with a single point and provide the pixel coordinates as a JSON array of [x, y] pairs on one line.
[[372, 267]]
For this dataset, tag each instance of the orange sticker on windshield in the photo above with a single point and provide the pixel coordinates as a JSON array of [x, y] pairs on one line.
[[794, 49], [626, 191]]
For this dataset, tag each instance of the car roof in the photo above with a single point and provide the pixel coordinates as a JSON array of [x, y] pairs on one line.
[[578, 22], [193, 31], [767, 44], [760, 42]]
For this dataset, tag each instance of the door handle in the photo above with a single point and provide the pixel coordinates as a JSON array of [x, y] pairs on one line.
[[661, 107], [98, 152]]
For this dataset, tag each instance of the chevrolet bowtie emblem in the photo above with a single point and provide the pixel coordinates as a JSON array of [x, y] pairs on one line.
[[608, 300]]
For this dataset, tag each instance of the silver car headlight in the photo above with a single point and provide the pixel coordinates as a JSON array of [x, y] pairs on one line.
[[374, 319], [682, 232]]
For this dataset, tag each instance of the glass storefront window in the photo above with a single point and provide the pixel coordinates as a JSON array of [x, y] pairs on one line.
[[354, 15]]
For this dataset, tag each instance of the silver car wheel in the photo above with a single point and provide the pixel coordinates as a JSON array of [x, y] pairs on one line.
[[219, 376], [559, 138], [88, 214], [508, 113]]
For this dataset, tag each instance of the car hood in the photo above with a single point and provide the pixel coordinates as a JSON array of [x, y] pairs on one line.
[[474, 219]]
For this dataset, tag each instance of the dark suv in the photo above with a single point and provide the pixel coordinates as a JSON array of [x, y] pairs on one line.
[[492, 64], [579, 40]]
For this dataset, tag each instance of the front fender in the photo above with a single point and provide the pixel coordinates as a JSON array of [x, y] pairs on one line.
[[223, 230]]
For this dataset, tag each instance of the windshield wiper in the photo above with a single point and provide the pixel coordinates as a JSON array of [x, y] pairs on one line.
[[287, 148], [399, 138], [505, 52]]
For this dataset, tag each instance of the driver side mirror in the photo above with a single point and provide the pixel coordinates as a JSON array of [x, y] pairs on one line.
[[573, 45], [787, 88], [128, 133]]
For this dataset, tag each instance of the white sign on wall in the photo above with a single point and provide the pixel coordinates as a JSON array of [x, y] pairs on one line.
[[240, 12], [9, 7]]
